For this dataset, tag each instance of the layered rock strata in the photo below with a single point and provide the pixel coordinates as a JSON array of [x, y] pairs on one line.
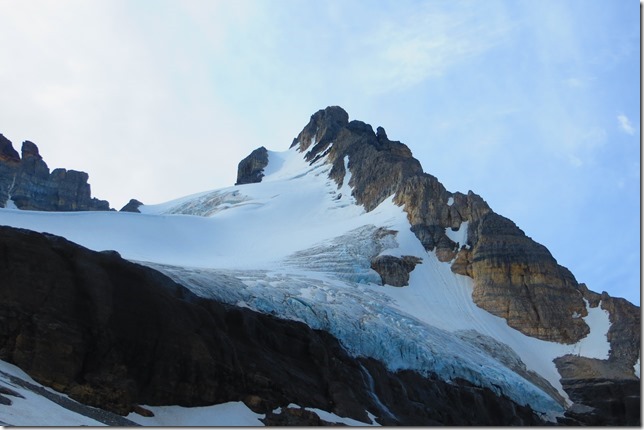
[[26, 183]]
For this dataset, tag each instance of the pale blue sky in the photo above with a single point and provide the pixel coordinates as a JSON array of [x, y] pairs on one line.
[[534, 105]]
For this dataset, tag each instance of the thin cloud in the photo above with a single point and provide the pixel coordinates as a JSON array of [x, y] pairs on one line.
[[625, 124], [578, 82], [404, 50]]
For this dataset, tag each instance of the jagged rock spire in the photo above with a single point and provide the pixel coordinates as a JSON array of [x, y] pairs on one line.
[[29, 184]]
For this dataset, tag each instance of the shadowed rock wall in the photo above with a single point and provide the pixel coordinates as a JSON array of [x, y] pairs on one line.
[[112, 334]]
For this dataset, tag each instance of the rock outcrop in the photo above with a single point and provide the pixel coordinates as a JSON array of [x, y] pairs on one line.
[[132, 206], [114, 334], [27, 183], [251, 169], [604, 394], [394, 271]]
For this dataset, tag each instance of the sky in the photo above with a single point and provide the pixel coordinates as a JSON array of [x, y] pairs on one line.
[[534, 105]]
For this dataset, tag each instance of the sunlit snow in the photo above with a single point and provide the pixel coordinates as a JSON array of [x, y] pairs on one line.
[[34, 409], [222, 415], [637, 368], [459, 236]]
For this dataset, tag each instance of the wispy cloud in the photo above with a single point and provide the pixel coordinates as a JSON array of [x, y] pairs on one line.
[[578, 82], [625, 124], [419, 43]]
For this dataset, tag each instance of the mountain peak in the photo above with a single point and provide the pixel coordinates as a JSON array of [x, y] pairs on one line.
[[380, 168], [29, 149], [7, 153], [322, 127]]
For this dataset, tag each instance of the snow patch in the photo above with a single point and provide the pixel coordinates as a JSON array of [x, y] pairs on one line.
[[595, 344], [459, 236], [333, 418], [450, 201], [35, 409], [345, 191], [10, 204], [225, 414]]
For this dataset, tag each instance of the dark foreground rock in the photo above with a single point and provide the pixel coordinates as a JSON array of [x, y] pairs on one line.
[[27, 183], [114, 334]]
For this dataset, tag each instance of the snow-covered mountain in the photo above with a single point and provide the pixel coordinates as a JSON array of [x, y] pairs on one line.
[[345, 233]]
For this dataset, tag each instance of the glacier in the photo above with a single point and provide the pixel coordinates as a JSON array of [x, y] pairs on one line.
[[298, 246]]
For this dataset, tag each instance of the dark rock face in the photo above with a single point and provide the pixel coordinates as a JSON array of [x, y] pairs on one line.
[[251, 169], [604, 394], [7, 153], [132, 206], [321, 129], [393, 270], [29, 184], [113, 334], [607, 390]]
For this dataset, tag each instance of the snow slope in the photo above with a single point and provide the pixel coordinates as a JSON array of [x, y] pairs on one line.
[[298, 246], [33, 409]]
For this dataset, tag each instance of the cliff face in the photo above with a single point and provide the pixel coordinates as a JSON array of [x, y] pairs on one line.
[[113, 334], [28, 184]]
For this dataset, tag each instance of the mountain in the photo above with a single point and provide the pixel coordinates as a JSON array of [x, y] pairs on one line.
[[336, 282]]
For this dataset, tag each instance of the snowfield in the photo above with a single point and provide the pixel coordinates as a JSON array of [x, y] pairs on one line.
[[297, 245]]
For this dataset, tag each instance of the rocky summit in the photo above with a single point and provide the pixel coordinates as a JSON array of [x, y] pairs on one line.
[[335, 283], [26, 183]]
